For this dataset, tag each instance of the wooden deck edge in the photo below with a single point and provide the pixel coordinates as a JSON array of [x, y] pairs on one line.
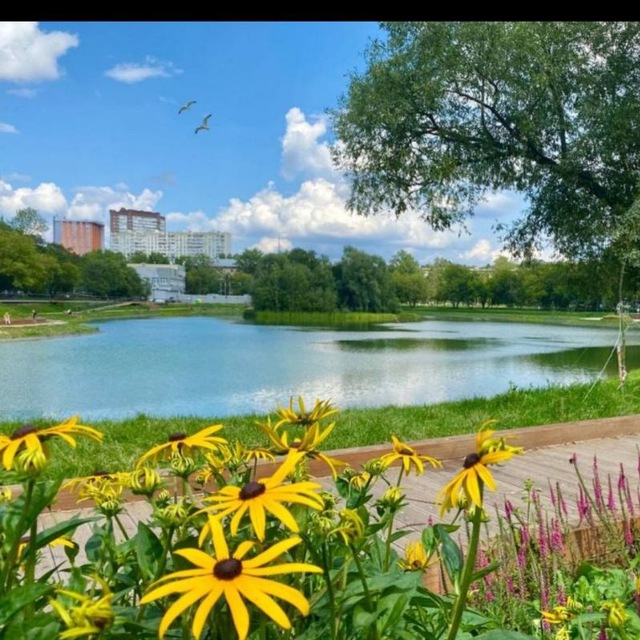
[[446, 449]]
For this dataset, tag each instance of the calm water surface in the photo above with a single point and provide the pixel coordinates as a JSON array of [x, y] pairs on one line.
[[214, 367]]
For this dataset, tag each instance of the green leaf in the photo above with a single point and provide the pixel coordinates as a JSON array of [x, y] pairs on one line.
[[148, 550], [20, 597], [450, 552], [58, 530], [502, 634]]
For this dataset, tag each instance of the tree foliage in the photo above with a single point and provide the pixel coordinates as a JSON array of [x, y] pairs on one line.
[[448, 111]]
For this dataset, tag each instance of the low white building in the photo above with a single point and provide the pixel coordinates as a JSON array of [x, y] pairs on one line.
[[167, 281]]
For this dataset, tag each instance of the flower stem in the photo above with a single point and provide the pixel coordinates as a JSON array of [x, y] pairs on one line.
[[467, 572], [332, 602], [387, 556], [367, 593]]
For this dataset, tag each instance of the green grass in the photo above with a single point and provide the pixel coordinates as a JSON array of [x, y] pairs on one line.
[[126, 440], [328, 319]]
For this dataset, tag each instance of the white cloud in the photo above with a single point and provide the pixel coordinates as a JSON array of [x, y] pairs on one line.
[[7, 128], [28, 54], [93, 203], [302, 153], [484, 252], [132, 72], [47, 198], [18, 177], [23, 92], [273, 245]]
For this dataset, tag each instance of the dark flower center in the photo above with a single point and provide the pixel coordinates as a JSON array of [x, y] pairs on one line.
[[417, 564], [405, 452], [100, 472], [296, 444], [176, 437], [471, 460], [227, 569], [252, 490], [23, 431]]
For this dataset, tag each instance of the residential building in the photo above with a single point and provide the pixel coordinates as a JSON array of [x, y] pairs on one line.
[[79, 236], [133, 220], [167, 281], [213, 244]]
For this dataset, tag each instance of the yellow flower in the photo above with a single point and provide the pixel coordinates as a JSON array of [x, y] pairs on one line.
[[268, 494], [616, 613], [562, 634], [474, 475], [235, 578], [87, 618], [415, 558], [181, 443], [321, 409], [409, 457], [32, 438], [558, 615], [307, 444]]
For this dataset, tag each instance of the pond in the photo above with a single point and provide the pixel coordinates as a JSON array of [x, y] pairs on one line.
[[215, 367]]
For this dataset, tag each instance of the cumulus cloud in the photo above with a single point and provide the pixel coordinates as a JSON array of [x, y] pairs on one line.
[[483, 251], [47, 198], [302, 152], [94, 203], [23, 92], [132, 72], [28, 54], [7, 128]]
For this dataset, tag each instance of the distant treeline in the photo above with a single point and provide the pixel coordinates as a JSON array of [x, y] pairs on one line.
[[299, 280]]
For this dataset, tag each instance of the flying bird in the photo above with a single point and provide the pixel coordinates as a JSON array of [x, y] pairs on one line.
[[205, 124], [187, 106]]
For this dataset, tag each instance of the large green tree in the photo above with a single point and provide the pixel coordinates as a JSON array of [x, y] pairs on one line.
[[448, 111]]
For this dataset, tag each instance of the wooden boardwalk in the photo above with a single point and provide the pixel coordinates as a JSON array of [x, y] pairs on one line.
[[544, 464]]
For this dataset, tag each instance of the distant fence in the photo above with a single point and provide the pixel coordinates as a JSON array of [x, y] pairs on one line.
[[212, 298]]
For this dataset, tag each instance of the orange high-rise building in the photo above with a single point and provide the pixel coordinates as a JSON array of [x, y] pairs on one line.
[[78, 236]]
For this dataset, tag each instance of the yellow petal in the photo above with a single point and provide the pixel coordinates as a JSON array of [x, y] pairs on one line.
[[238, 609], [264, 602], [271, 553], [284, 592], [204, 608], [179, 606], [199, 558]]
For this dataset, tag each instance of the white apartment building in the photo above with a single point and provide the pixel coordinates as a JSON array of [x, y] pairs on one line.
[[172, 244]]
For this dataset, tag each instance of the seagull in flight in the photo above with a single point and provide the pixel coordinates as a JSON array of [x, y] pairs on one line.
[[187, 106], [205, 124]]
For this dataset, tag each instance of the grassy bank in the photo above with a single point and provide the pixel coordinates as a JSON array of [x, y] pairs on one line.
[[126, 440], [53, 318], [535, 316], [337, 319]]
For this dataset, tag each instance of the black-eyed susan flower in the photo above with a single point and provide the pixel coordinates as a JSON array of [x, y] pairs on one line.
[[183, 444], [308, 444], [266, 495], [321, 409], [33, 439], [616, 613], [81, 614], [234, 577], [466, 486], [408, 456], [415, 558]]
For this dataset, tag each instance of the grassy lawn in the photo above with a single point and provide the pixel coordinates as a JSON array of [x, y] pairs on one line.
[[125, 440]]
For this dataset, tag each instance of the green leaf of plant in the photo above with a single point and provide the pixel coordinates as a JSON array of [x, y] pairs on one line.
[[148, 550], [20, 597], [503, 634], [58, 530]]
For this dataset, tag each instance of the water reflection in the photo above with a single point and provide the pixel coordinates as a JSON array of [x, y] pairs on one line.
[[405, 344], [215, 367]]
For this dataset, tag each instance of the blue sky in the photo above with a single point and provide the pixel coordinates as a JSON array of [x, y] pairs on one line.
[[89, 122]]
